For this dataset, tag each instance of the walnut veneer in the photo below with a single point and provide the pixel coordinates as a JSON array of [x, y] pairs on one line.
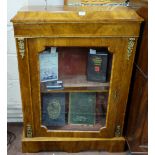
[[116, 28]]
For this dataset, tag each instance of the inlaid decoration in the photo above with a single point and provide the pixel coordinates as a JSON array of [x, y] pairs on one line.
[[118, 131], [21, 46], [131, 43]]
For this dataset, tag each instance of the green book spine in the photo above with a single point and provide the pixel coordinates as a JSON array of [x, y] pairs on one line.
[[82, 108]]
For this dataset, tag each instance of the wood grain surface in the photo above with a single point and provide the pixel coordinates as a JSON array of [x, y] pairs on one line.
[[106, 14], [114, 28]]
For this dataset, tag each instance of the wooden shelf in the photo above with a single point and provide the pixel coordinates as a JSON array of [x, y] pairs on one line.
[[78, 83], [99, 123], [73, 127]]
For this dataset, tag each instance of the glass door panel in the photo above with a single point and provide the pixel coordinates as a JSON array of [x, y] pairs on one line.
[[74, 84]]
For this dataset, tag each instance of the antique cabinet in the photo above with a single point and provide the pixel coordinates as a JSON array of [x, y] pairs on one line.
[[91, 113]]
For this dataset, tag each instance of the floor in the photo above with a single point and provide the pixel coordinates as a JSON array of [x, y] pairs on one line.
[[15, 147]]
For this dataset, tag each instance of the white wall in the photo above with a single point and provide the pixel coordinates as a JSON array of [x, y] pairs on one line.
[[14, 108], [49, 2]]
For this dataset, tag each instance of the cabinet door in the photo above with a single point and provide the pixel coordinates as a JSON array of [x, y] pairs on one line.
[[82, 107]]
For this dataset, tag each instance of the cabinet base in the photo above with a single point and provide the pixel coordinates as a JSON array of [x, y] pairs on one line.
[[70, 144]]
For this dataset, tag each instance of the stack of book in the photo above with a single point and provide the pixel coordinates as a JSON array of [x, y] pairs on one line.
[[54, 85]]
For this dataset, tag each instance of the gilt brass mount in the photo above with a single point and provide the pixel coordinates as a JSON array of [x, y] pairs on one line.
[[118, 131], [29, 131], [131, 43], [21, 46]]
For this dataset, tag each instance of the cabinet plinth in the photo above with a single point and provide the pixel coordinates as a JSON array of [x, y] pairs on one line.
[[99, 126]]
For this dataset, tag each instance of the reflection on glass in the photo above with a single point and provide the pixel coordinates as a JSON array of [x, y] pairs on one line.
[[74, 111], [72, 101]]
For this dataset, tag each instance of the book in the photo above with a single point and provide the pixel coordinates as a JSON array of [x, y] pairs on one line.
[[49, 65], [82, 108], [54, 85], [97, 66], [53, 109]]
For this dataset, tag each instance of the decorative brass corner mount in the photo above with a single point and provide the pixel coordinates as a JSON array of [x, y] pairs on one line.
[[21, 46], [118, 131], [29, 131], [131, 43]]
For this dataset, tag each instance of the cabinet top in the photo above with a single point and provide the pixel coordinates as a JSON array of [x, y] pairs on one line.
[[40, 14]]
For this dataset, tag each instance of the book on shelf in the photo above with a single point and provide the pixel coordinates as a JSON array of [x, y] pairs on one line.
[[97, 65], [55, 85], [49, 65], [82, 108], [53, 109]]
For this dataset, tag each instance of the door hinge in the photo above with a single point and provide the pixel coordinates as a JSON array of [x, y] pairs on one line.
[[118, 131]]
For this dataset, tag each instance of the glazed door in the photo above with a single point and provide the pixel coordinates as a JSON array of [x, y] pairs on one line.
[[66, 101]]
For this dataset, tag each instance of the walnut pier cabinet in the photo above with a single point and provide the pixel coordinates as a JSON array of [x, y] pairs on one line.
[[83, 115]]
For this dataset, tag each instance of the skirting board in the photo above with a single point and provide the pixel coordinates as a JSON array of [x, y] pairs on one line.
[[71, 144]]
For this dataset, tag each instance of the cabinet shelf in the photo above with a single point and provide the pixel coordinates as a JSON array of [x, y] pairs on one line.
[[72, 127], [78, 83]]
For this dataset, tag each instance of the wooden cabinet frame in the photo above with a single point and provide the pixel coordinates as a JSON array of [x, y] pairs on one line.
[[119, 38]]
